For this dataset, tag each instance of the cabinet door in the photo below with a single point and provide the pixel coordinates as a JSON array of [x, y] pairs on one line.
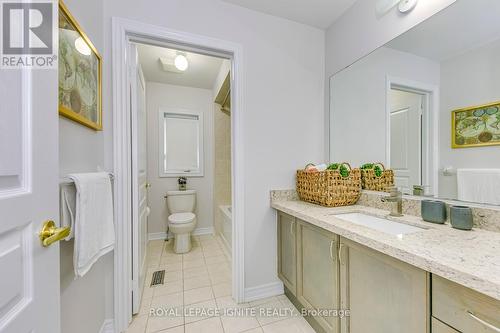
[[439, 327], [287, 251], [384, 295], [317, 278]]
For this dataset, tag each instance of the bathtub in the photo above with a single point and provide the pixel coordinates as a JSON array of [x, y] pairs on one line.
[[226, 227]]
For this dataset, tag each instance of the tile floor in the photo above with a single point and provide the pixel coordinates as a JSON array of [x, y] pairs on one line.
[[196, 285]]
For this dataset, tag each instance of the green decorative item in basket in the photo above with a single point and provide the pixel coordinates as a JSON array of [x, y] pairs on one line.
[[376, 167], [343, 169], [333, 166], [375, 177]]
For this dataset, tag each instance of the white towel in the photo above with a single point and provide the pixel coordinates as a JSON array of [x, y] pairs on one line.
[[68, 208], [479, 185], [93, 223]]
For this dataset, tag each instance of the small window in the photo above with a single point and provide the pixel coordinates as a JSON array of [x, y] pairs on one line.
[[181, 143]]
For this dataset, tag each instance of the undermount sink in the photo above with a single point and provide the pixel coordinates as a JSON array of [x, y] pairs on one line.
[[380, 224]]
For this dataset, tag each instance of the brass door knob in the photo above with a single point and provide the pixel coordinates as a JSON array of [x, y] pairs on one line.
[[51, 234], [148, 185]]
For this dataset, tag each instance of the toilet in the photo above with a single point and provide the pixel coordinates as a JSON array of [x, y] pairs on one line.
[[182, 220]]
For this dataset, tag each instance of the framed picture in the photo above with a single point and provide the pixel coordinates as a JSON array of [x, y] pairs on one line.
[[476, 126], [80, 73]]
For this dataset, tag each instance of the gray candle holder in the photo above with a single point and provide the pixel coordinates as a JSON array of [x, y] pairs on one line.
[[433, 211], [461, 217]]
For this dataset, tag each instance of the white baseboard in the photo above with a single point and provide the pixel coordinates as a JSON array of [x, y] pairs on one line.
[[263, 291], [157, 236], [196, 232], [108, 326], [203, 231]]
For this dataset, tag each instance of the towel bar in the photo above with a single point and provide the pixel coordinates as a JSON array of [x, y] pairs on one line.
[[67, 181]]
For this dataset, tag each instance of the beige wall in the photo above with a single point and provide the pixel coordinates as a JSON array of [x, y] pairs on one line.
[[222, 177], [171, 96]]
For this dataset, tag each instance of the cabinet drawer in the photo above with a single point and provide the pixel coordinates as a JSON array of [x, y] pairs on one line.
[[464, 309], [439, 327]]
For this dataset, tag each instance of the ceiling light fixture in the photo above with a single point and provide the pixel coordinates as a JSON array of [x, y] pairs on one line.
[[404, 6], [181, 62], [82, 47], [407, 5]]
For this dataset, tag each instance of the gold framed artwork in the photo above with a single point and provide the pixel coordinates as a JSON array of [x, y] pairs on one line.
[[80, 73], [476, 126]]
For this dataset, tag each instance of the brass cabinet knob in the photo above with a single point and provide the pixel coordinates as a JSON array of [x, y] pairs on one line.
[[51, 234]]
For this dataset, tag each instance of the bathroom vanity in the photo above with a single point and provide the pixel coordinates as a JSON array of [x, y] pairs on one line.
[[434, 279], [425, 105]]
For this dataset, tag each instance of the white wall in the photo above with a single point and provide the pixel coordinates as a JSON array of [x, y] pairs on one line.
[[467, 80], [283, 97], [171, 96], [358, 100], [359, 31], [82, 150]]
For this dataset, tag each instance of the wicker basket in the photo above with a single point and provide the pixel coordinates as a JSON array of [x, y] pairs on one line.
[[370, 181], [328, 188]]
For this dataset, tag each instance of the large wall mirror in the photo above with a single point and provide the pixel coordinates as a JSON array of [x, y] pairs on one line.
[[427, 105]]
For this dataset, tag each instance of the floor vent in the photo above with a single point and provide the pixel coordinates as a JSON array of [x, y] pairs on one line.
[[158, 277]]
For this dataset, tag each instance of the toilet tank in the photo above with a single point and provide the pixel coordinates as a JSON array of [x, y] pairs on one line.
[[181, 201]]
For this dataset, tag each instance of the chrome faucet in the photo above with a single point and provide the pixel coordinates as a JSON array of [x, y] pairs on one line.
[[396, 198]]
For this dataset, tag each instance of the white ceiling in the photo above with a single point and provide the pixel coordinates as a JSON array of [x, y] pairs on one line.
[[463, 26], [317, 13], [201, 73]]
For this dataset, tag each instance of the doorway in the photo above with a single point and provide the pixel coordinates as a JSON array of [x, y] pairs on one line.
[[407, 108], [181, 143], [126, 32], [412, 125]]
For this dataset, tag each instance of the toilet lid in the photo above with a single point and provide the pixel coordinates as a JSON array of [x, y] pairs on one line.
[[179, 218]]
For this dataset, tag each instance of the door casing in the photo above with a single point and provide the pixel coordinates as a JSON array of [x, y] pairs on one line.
[[139, 179], [408, 110]]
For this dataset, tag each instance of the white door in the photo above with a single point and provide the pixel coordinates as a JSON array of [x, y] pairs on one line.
[[140, 186], [405, 142], [29, 282]]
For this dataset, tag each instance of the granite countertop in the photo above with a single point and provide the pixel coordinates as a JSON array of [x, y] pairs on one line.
[[469, 258]]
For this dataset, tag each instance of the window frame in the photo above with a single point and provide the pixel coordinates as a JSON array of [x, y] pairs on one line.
[[162, 173]]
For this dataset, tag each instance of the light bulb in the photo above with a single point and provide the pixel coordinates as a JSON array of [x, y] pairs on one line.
[[82, 47], [181, 62]]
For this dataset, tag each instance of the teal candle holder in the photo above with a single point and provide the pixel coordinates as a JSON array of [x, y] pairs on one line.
[[461, 217], [433, 211]]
